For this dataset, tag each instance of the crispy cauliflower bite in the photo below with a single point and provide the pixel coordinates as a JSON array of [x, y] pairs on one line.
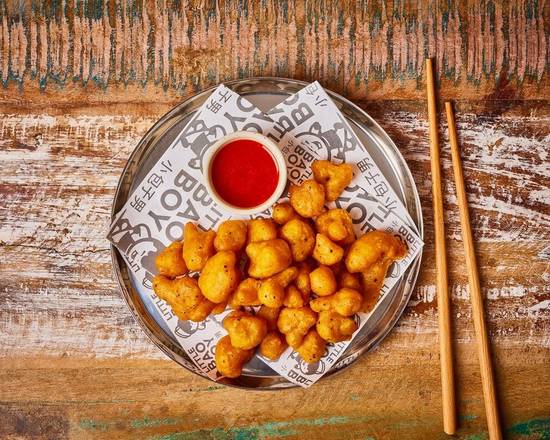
[[201, 312], [351, 280], [295, 323], [231, 236], [294, 297], [302, 279], [182, 292], [198, 246], [261, 229], [322, 281], [268, 257], [312, 347], [272, 290], [326, 251], [245, 330], [333, 327], [246, 294], [345, 301], [337, 225], [300, 237], [283, 213], [307, 199], [270, 315], [219, 277], [373, 280], [170, 261], [229, 359], [184, 297], [372, 247], [333, 177], [273, 345]]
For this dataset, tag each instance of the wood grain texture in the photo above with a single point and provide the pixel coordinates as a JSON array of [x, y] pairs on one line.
[[60, 305], [83, 81], [361, 48]]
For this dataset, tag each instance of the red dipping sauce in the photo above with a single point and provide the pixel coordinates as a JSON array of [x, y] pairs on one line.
[[244, 173]]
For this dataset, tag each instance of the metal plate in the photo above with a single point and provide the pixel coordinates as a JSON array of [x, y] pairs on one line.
[[265, 93]]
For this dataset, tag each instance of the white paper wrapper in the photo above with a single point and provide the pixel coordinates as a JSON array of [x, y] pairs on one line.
[[307, 126]]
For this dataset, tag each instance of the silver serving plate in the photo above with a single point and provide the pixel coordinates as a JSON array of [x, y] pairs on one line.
[[265, 93]]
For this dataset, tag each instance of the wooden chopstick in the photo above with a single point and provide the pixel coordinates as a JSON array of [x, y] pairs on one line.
[[485, 364], [443, 302]]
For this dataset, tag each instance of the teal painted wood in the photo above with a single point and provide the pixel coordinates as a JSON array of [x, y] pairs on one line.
[[185, 45]]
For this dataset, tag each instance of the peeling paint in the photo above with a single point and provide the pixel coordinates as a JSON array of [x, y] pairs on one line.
[[390, 40]]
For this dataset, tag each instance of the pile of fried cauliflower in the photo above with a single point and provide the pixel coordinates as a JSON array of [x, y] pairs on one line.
[[296, 279]]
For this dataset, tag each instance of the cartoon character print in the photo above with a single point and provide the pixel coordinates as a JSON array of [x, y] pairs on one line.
[[197, 137], [336, 141], [394, 271], [138, 244], [184, 329], [306, 367]]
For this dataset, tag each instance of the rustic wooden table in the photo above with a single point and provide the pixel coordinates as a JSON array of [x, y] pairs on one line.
[[83, 81]]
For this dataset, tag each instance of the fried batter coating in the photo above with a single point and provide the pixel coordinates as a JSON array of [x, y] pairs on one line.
[[183, 293], [345, 301], [184, 297], [231, 236], [302, 280], [245, 330], [322, 281], [326, 251], [230, 360], [268, 257], [301, 238], [170, 261], [294, 297], [373, 280], [270, 315], [198, 246], [295, 323], [219, 308], [261, 229], [337, 268], [273, 345], [372, 247], [199, 313], [219, 277], [333, 327], [351, 280], [272, 290], [337, 225], [246, 293], [333, 177], [283, 213], [308, 199], [372, 254], [312, 347]]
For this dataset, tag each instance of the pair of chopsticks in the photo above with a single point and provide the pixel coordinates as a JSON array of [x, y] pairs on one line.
[[443, 302]]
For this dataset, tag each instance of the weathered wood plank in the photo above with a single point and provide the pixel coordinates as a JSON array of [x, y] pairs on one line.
[[369, 49], [55, 258], [157, 400], [57, 211], [82, 81]]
